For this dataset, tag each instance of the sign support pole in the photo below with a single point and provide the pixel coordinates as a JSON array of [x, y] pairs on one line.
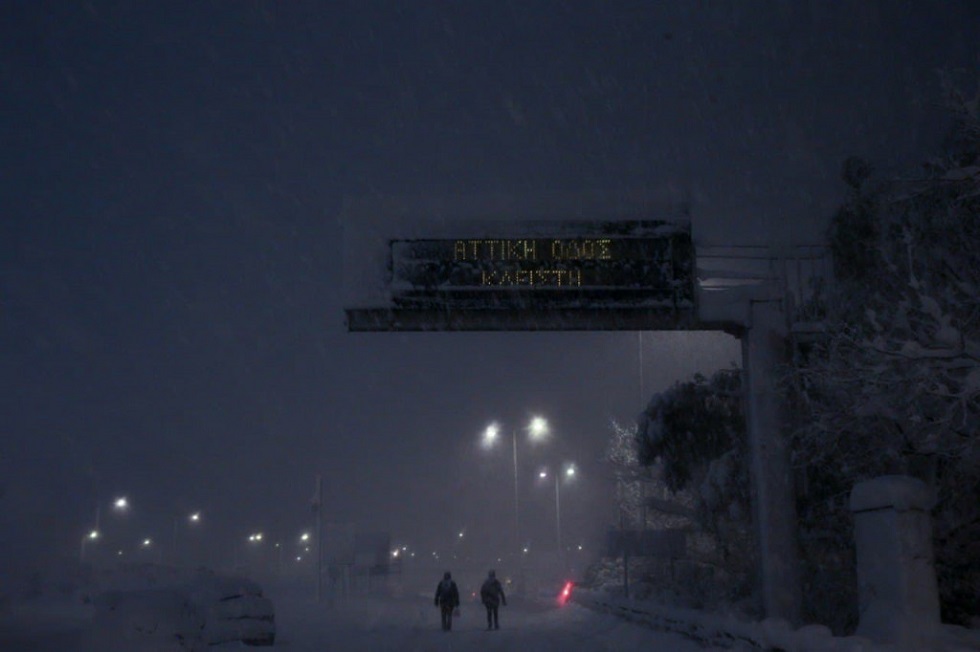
[[763, 350]]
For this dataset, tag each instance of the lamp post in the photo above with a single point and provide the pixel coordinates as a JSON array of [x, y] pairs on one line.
[[254, 539], [193, 518], [148, 543], [536, 429], [569, 473], [120, 504], [91, 536]]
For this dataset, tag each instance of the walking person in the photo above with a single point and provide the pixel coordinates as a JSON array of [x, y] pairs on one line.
[[492, 595], [447, 599]]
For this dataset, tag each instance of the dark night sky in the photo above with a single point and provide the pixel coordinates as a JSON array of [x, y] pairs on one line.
[[171, 177]]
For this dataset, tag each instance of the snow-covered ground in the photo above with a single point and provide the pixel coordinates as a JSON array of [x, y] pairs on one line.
[[375, 624], [45, 625], [413, 624]]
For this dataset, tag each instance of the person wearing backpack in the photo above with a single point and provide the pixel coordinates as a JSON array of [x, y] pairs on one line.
[[492, 596], [447, 599]]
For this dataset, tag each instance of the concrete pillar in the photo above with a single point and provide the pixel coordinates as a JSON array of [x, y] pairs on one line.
[[774, 500], [898, 592]]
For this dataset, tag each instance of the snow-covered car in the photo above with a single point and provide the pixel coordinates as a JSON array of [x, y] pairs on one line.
[[235, 610], [206, 610], [146, 619]]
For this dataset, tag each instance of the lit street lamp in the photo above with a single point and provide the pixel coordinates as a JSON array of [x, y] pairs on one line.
[[120, 504], [193, 518], [536, 429], [148, 543], [91, 536], [254, 538], [569, 474]]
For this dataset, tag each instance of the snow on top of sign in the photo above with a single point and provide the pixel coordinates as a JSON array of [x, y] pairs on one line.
[[369, 224]]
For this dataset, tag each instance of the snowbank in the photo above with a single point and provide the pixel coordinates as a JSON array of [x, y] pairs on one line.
[[769, 634]]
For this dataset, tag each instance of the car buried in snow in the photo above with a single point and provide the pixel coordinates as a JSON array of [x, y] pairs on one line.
[[209, 609], [235, 610]]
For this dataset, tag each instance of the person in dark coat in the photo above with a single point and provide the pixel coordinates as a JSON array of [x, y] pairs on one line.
[[492, 595], [447, 599]]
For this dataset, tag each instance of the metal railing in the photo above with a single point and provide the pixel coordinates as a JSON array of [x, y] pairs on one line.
[[803, 274]]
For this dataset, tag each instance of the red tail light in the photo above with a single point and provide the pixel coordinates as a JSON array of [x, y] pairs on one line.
[[565, 594]]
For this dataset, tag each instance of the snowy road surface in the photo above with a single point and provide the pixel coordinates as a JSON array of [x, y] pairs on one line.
[[387, 625], [410, 625]]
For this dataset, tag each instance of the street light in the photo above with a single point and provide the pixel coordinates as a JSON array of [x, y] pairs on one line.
[[148, 543], [120, 504], [537, 429], [278, 557], [569, 473], [91, 536], [254, 538], [193, 518]]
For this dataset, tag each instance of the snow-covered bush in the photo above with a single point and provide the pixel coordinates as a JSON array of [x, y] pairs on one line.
[[894, 387]]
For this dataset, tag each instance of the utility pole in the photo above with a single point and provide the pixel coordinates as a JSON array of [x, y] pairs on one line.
[[517, 521], [174, 547], [624, 541], [318, 502], [558, 513]]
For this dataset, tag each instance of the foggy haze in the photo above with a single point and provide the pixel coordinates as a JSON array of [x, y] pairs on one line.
[[171, 311]]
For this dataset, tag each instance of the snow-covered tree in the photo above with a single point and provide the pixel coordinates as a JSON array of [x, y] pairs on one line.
[[641, 492], [622, 454], [694, 435], [683, 466], [894, 387], [696, 431]]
